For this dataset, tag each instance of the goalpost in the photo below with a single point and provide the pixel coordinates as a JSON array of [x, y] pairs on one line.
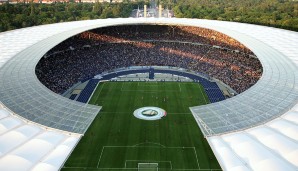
[[148, 166]]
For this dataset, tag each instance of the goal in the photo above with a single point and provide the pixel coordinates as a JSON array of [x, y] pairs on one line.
[[148, 166]]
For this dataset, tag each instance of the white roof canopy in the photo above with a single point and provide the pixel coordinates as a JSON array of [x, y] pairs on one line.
[[267, 107]]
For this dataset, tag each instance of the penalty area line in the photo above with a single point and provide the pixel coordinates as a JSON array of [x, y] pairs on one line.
[[179, 87], [100, 156], [103, 84], [194, 148], [134, 147], [203, 95]]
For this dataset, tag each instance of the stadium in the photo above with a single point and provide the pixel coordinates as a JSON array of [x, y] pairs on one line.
[[143, 112]]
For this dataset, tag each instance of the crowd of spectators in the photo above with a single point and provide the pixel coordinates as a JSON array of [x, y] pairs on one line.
[[163, 32], [93, 52]]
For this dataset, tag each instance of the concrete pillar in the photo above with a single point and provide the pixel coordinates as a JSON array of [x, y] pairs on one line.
[[159, 11], [145, 11]]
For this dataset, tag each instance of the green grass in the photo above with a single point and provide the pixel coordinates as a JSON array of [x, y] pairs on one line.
[[116, 140]]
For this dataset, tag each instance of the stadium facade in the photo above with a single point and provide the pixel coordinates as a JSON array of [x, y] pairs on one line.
[[255, 130]]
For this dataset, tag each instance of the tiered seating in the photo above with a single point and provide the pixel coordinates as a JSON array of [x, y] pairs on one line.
[[87, 91], [213, 92], [208, 84]]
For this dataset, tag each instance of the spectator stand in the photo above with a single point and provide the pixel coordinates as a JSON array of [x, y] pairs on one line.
[[87, 91]]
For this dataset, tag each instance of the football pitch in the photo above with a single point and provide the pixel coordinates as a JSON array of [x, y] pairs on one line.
[[117, 140]]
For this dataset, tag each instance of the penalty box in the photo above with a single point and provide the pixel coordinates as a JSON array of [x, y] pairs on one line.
[[164, 157]]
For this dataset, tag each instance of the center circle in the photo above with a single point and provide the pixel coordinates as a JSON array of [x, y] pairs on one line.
[[149, 113]]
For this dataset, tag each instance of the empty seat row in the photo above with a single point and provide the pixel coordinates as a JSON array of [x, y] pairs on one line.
[[87, 91]]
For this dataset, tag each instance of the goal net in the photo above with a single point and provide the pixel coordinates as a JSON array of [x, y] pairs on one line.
[[148, 166]]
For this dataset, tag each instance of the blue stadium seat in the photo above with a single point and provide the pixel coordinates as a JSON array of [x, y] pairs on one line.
[[87, 91]]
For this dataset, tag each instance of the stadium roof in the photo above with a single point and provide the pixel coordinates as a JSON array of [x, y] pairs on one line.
[[274, 94], [27, 146], [267, 108], [22, 92]]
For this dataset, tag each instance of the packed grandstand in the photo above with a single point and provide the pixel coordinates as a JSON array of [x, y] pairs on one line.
[[193, 48], [255, 130]]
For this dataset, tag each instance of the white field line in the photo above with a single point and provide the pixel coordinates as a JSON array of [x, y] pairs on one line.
[[196, 157], [101, 168], [153, 91], [93, 92], [199, 169], [122, 86], [167, 113], [100, 156], [161, 161], [108, 168], [155, 161], [203, 95], [180, 113], [136, 146], [99, 91], [145, 85], [179, 87], [149, 143], [144, 146], [147, 91]]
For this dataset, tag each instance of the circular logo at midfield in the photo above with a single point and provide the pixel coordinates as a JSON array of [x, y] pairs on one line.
[[149, 113]]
